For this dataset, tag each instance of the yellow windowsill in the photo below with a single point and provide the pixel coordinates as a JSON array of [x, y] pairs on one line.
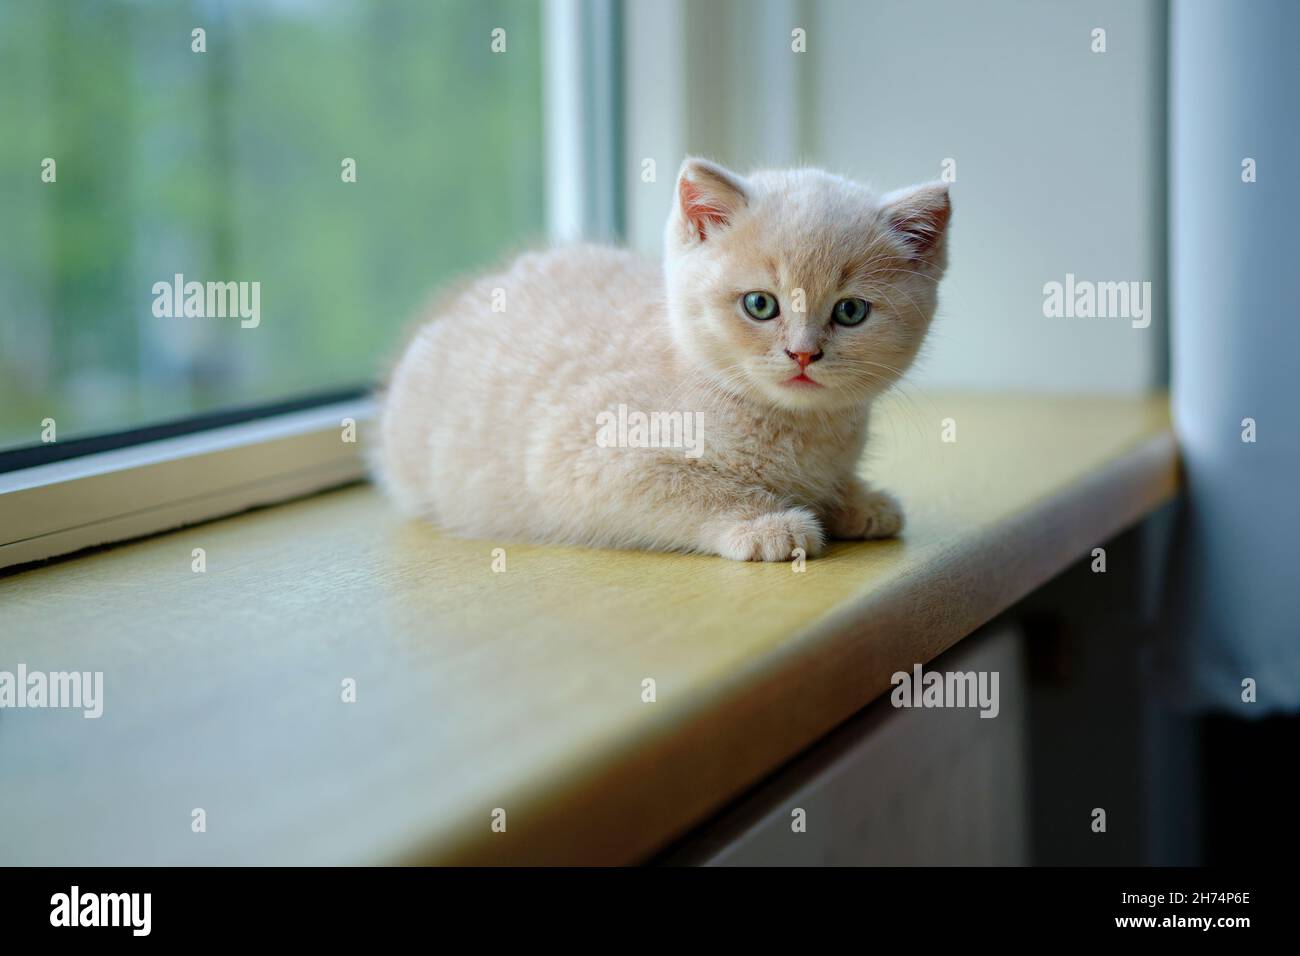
[[519, 690]]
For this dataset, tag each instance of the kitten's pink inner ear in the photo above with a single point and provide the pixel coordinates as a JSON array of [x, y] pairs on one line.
[[702, 210], [921, 219]]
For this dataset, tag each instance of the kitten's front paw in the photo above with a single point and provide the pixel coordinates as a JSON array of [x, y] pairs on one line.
[[871, 514], [773, 537]]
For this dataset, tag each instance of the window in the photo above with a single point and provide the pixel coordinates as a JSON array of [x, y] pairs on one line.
[[135, 150]]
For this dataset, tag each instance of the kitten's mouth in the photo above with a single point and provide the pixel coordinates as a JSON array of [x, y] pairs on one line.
[[802, 381]]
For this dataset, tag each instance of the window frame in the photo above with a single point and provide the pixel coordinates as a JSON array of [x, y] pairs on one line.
[[96, 499]]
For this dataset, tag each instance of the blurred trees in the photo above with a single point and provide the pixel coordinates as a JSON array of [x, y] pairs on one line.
[[226, 165]]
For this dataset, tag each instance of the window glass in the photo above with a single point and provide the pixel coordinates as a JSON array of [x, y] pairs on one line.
[[134, 150]]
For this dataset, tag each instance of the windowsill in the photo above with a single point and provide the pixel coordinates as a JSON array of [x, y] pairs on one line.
[[519, 690]]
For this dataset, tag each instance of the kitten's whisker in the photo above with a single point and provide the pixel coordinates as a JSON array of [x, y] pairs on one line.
[[890, 302], [878, 264]]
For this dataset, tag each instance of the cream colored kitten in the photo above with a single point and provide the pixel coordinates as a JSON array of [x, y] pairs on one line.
[[787, 302]]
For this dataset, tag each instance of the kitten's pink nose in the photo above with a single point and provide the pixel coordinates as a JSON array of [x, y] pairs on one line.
[[804, 358]]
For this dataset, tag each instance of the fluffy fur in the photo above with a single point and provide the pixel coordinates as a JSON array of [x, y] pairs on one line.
[[489, 423]]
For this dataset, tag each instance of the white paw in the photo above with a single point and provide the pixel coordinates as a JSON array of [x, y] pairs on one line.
[[773, 537], [871, 514]]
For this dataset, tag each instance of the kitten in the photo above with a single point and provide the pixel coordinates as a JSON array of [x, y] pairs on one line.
[[786, 303]]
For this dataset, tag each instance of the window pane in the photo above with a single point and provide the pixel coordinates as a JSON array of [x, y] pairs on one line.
[[228, 166]]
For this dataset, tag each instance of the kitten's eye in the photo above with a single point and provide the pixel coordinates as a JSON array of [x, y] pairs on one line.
[[851, 311], [761, 306]]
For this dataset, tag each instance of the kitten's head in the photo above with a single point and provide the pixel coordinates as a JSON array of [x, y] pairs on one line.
[[802, 289]]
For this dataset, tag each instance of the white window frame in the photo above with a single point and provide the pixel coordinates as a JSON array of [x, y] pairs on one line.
[[66, 506], [583, 116], [154, 486]]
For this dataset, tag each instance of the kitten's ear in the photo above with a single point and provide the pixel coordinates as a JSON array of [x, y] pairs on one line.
[[708, 196], [920, 214]]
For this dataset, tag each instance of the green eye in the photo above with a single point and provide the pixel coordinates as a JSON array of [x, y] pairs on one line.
[[851, 311], [761, 306]]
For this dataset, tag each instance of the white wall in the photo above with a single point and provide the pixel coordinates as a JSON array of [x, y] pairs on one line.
[[1059, 151]]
